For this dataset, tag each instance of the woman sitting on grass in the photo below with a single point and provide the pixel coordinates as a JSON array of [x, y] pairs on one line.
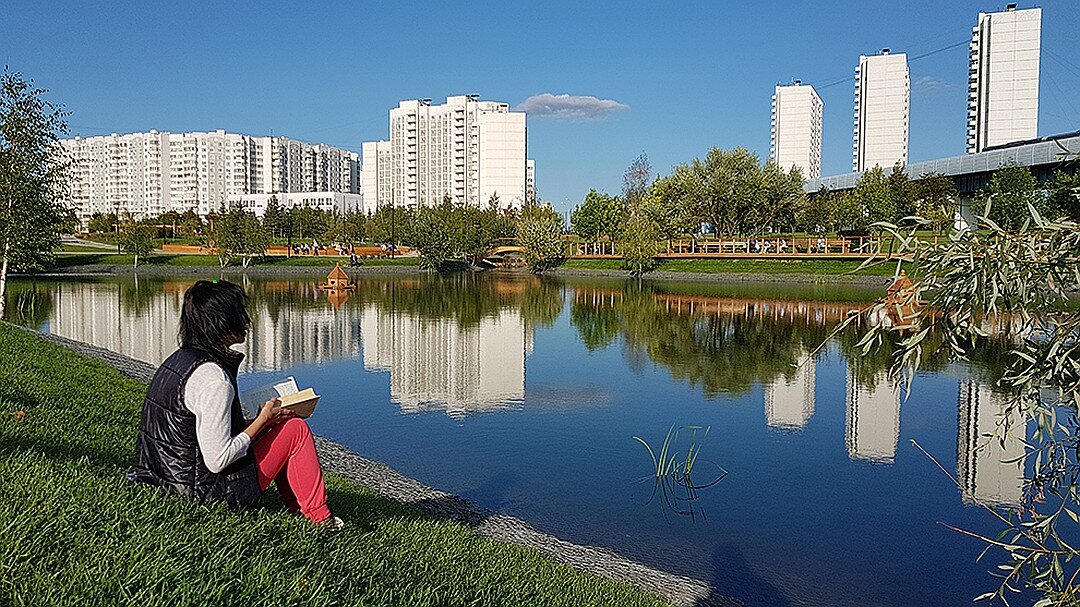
[[193, 438]]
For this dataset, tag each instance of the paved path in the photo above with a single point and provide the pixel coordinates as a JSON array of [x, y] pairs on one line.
[[677, 590]]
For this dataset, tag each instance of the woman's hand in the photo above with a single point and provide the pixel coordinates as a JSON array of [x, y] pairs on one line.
[[271, 412]]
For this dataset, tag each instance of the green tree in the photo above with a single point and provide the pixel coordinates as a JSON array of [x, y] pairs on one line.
[[731, 191], [540, 235], [476, 230], [308, 222], [191, 224], [936, 200], [639, 243], [1011, 189], [817, 212], [672, 204], [598, 216], [101, 223], [354, 226], [903, 193], [137, 238], [873, 196], [238, 233], [431, 232], [848, 212], [1065, 195], [782, 195], [636, 181], [32, 177], [276, 218]]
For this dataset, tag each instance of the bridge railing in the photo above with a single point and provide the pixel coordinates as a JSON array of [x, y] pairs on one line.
[[785, 246]]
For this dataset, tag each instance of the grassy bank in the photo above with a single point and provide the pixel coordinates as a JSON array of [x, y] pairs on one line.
[[99, 258], [823, 267], [74, 532]]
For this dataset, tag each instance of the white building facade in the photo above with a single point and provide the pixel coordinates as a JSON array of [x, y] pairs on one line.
[[467, 149], [1003, 78], [146, 174], [795, 140], [882, 98], [335, 202]]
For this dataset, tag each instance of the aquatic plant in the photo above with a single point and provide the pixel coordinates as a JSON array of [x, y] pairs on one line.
[[672, 472]]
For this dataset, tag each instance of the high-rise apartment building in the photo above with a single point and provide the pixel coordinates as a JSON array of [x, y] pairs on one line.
[[796, 128], [882, 94], [1003, 78], [146, 174], [467, 149]]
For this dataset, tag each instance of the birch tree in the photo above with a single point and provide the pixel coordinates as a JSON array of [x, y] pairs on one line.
[[33, 177]]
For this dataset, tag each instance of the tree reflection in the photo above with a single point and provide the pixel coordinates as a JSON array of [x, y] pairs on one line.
[[727, 345]]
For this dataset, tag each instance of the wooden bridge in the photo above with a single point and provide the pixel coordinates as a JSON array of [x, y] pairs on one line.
[[773, 247]]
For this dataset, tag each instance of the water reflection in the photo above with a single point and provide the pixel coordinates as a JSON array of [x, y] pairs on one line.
[[789, 399], [872, 419], [987, 467], [436, 364], [460, 346]]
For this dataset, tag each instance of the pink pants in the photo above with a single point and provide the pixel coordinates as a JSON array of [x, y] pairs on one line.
[[286, 453]]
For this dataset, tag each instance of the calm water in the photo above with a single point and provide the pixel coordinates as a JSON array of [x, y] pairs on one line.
[[525, 395]]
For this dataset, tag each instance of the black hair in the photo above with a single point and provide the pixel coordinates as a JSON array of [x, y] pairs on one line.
[[213, 312]]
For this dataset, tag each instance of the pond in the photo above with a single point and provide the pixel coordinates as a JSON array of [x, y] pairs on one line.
[[526, 395]]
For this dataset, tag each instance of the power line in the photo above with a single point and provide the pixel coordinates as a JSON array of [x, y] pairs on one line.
[[939, 50], [825, 83]]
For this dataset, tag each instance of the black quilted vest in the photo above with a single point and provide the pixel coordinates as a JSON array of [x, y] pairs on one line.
[[167, 453]]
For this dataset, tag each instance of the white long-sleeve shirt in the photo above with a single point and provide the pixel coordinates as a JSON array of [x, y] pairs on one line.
[[209, 394]]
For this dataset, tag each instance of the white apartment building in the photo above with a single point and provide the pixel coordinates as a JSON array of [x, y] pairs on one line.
[[467, 149], [338, 202], [146, 174], [882, 95], [1003, 78], [795, 140], [530, 180], [375, 185]]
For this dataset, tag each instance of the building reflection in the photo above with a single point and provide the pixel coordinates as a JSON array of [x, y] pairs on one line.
[[987, 469], [142, 321], [437, 364], [872, 420], [789, 399]]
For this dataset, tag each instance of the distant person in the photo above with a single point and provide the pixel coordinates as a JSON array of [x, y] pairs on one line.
[[193, 439]]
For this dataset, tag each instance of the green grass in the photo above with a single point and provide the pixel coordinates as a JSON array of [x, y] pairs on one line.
[[823, 267], [104, 258], [74, 532]]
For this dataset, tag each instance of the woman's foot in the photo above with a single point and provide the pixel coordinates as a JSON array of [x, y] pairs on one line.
[[331, 524]]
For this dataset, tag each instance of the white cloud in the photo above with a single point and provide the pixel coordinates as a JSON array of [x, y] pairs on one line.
[[930, 84], [569, 106]]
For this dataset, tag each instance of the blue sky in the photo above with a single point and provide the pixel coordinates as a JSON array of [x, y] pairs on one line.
[[682, 76]]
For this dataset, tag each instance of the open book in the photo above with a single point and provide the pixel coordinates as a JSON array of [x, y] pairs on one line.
[[300, 402]]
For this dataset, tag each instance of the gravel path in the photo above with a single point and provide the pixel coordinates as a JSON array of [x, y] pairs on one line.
[[383, 480]]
